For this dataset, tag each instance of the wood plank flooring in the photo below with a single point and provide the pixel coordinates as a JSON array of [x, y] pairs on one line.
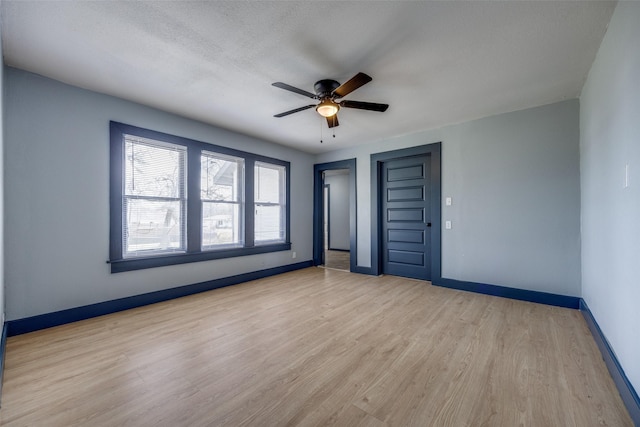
[[338, 260], [315, 347]]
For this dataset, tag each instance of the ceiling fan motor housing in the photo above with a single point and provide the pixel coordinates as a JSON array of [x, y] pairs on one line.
[[324, 88]]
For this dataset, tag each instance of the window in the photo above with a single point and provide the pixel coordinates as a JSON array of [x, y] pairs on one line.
[[175, 200], [269, 203], [221, 193], [154, 197]]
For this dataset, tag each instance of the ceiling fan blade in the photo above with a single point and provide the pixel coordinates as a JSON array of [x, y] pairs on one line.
[[356, 81], [333, 121], [371, 106], [294, 89], [286, 113]]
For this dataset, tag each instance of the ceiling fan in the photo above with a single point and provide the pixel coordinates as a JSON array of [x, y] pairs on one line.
[[328, 91]]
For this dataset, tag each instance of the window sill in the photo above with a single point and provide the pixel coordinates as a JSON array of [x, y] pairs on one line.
[[139, 263]]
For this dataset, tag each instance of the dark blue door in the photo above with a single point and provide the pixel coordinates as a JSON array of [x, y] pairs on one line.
[[406, 217]]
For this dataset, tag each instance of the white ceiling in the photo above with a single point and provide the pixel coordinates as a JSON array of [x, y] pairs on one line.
[[435, 63]]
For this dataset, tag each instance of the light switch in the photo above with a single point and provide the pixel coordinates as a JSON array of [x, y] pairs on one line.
[[447, 201], [447, 225]]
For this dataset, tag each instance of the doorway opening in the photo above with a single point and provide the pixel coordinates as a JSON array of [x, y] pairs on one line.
[[334, 222]]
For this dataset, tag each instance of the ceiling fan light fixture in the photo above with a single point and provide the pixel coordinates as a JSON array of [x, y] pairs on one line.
[[327, 108]]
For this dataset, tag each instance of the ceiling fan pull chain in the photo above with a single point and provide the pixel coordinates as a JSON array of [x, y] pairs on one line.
[[320, 131]]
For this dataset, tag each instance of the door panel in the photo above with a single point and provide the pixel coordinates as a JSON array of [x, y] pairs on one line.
[[406, 257], [404, 214], [404, 194], [406, 217], [406, 236]]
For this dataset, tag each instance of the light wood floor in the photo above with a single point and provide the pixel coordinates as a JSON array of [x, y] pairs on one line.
[[338, 260], [315, 347]]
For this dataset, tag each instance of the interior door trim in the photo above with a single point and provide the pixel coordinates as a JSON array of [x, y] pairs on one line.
[[434, 150], [318, 182]]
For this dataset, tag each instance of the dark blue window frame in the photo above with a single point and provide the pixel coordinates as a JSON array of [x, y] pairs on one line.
[[194, 253]]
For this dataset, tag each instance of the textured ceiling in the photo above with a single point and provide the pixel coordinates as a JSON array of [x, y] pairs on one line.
[[435, 63]]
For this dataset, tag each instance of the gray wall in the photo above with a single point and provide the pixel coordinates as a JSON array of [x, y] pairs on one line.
[[339, 236], [57, 198], [514, 183], [610, 140]]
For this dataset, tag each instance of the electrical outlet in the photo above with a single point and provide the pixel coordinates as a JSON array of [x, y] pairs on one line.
[[447, 201], [293, 255], [447, 225]]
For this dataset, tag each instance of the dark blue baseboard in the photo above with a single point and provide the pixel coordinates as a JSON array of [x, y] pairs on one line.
[[3, 347], [626, 390], [512, 293], [48, 320], [339, 250]]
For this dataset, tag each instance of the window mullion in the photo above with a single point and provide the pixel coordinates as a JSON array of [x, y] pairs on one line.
[[194, 203], [249, 200], [286, 209]]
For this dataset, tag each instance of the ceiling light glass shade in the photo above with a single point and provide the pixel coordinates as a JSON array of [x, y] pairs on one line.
[[327, 108]]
